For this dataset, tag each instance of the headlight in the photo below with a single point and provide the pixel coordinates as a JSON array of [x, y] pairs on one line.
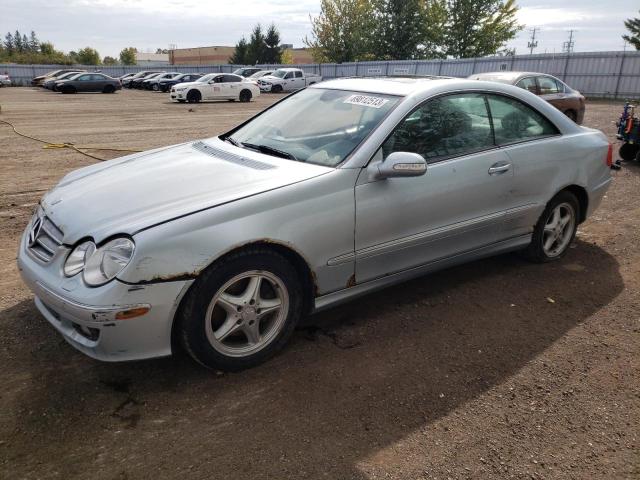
[[78, 257], [108, 261]]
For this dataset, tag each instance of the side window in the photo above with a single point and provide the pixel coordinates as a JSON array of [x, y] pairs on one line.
[[528, 83], [85, 78], [288, 75], [298, 74], [515, 122], [97, 78], [444, 127], [547, 85]]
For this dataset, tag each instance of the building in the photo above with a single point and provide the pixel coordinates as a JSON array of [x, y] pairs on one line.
[[151, 59], [221, 54]]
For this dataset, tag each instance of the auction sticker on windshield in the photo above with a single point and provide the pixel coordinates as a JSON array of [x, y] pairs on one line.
[[366, 101]]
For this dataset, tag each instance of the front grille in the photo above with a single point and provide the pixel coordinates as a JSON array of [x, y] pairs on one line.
[[44, 237]]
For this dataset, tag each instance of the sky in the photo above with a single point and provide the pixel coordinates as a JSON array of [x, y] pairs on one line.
[[111, 25]]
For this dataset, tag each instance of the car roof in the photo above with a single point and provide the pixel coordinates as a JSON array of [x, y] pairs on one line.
[[401, 86], [507, 77]]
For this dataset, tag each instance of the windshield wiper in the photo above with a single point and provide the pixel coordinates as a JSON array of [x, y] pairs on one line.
[[270, 151], [232, 141]]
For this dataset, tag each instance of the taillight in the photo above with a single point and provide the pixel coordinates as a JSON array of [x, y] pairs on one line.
[[610, 155]]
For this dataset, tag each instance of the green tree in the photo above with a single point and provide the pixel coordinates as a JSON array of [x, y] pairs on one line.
[[34, 43], [476, 28], [256, 48], [406, 29], [87, 56], [9, 44], [239, 56], [128, 56], [273, 52], [342, 31], [17, 41], [633, 25], [109, 61]]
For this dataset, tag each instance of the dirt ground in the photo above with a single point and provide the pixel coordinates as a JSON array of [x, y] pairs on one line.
[[496, 369]]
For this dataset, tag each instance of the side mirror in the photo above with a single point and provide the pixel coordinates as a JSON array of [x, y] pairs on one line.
[[402, 164]]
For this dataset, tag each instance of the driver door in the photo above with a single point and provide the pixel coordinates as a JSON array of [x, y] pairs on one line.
[[456, 206], [212, 88]]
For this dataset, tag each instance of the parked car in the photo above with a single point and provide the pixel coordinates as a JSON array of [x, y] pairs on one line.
[[5, 80], [166, 84], [88, 82], [287, 80], [127, 83], [215, 86], [246, 71], [39, 80], [569, 101], [137, 82], [51, 82], [153, 83], [126, 77], [260, 74], [338, 190]]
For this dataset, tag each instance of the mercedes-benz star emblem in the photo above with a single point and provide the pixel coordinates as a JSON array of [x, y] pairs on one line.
[[35, 231]]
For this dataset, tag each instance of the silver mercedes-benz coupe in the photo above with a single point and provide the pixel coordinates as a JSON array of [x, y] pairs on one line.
[[221, 245]]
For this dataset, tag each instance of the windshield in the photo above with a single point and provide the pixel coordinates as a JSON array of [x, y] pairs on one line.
[[279, 73], [316, 125], [206, 78]]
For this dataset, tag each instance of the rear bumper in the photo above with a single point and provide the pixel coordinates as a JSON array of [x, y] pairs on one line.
[[597, 194]]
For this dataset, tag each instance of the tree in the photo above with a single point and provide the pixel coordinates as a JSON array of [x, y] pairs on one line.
[[128, 56], [17, 41], [34, 43], [406, 29], [476, 28], [109, 61], [9, 44], [272, 51], [287, 57], [633, 25], [341, 32], [256, 48], [239, 56], [87, 56]]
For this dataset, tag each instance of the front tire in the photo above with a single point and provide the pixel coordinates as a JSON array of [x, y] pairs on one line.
[[194, 96], [555, 230], [277, 89], [245, 96], [241, 311]]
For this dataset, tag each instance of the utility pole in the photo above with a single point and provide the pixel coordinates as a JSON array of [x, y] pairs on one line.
[[532, 43], [567, 46]]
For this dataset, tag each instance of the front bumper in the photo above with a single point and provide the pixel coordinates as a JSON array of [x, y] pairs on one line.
[[265, 88], [178, 95], [85, 316]]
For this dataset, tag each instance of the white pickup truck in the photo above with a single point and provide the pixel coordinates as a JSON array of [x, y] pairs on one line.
[[287, 80]]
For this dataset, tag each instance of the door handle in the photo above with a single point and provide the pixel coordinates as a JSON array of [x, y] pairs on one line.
[[498, 168]]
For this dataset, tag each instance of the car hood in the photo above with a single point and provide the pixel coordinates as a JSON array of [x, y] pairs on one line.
[[134, 192], [271, 78]]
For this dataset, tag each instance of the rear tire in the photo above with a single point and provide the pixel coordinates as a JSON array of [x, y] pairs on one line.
[[628, 151], [109, 89], [226, 301], [245, 96], [194, 96], [555, 230]]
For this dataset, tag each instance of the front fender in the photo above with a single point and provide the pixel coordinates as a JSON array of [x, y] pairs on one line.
[[315, 218]]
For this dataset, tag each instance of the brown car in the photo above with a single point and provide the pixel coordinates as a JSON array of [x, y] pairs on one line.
[[554, 91]]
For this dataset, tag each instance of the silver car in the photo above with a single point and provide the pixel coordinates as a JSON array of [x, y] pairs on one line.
[[346, 187]]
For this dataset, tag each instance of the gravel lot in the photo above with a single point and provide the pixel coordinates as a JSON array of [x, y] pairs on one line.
[[496, 369]]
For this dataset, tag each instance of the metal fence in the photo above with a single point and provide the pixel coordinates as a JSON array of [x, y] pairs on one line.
[[595, 74]]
